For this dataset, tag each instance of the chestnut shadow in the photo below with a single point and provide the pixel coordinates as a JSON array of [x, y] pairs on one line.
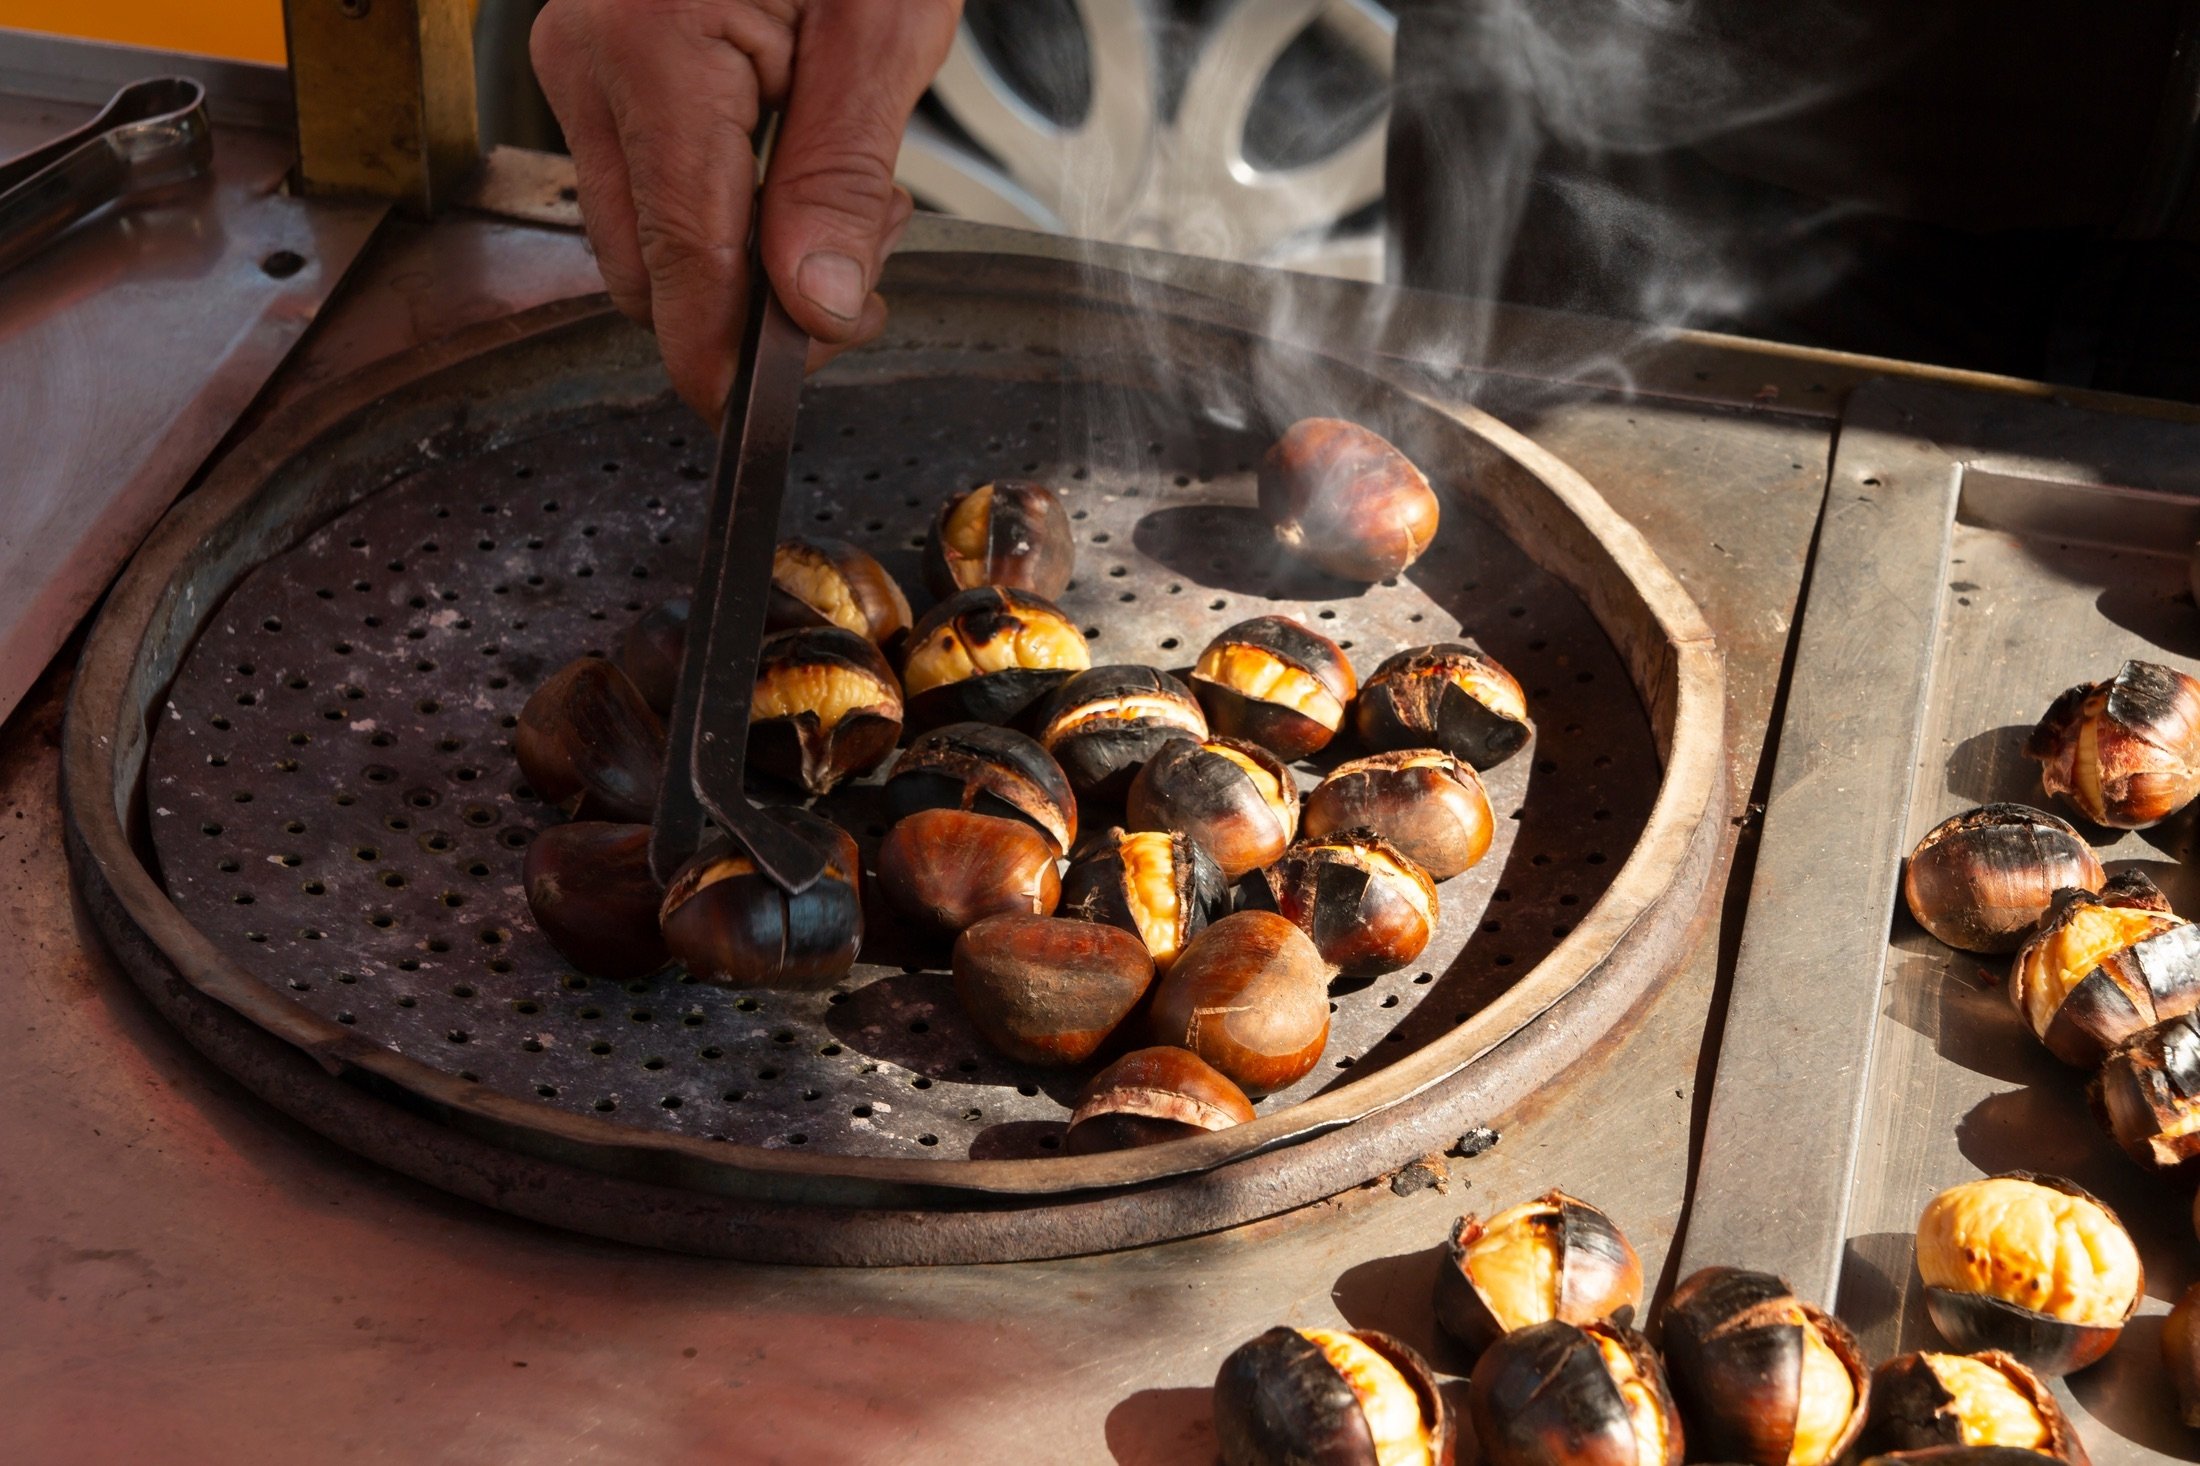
[[2128, 1394], [2155, 607], [2178, 881], [1978, 1029], [1216, 546], [1018, 1140], [1878, 1300], [2177, 837], [1163, 1428], [911, 1019], [1990, 768], [1393, 1294]]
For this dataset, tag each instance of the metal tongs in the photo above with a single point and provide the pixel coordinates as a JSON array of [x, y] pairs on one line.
[[707, 741], [151, 134]]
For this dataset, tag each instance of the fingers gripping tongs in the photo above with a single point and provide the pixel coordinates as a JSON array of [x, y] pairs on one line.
[[153, 133], [707, 742]]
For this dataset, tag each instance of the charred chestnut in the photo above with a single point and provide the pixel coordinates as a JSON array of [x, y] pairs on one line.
[[987, 656], [2181, 1353], [1962, 1456], [1272, 682], [589, 887], [2126, 752], [1981, 880], [1554, 1257], [1152, 1095], [826, 707], [948, 869], [1762, 1376], [2148, 1093], [989, 770], [1044, 990], [1448, 697], [1157, 884], [2031, 1265], [1920, 1401], [1234, 798], [651, 650], [1429, 805], [729, 923], [828, 582], [1250, 995], [1324, 1397], [590, 744], [1368, 908], [1103, 724], [1344, 499], [1009, 533], [1562, 1394], [2103, 967]]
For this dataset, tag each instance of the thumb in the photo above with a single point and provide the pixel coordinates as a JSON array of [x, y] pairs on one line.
[[829, 197]]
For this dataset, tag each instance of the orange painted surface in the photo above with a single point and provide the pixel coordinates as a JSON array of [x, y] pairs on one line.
[[247, 30]]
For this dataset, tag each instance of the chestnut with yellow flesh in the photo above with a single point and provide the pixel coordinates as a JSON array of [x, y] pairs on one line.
[[1234, 798], [1258, 673], [963, 530], [1989, 1409], [2062, 958], [1012, 534], [1561, 1394], [825, 707], [1152, 896], [1554, 1257], [1157, 884], [949, 656], [1514, 1264], [1825, 1400], [1392, 1408], [2104, 967], [1103, 724], [1449, 697], [729, 923], [1368, 909], [1326, 1397], [988, 655], [828, 692], [1152, 1095], [1641, 1395], [1933, 1400], [1761, 1376], [2148, 1091], [2126, 752]]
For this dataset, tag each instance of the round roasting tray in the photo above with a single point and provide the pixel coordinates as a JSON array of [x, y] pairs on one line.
[[290, 791]]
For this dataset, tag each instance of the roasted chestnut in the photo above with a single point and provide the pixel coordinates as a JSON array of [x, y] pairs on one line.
[[1762, 1376], [987, 656], [1234, 798], [2181, 1353], [729, 923], [2103, 967], [1323, 1397], [988, 769], [1981, 880], [2031, 1265], [1272, 682], [650, 653], [1962, 1456], [1562, 1394], [1008, 533], [1250, 995], [1103, 724], [828, 582], [1448, 697], [589, 887], [1554, 1257], [827, 707], [1368, 908], [948, 869], [1429, 805], [1156, 883], [1343, 498], [1152, 1095], [590, 744], [2148, 1093], [1924, 1400], [1044, 990], [2126, 752]]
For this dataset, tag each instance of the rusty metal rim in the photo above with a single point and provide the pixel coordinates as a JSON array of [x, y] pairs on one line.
[[1671, 655]]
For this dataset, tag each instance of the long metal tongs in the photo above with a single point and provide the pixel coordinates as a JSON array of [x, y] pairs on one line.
[[707, 742], [151, 134]]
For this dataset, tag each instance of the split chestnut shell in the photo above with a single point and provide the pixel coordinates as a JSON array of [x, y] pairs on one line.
[[1010, 534], [988, 655], [2101, 968], [1324, 1397], [826, 707], [1554, 1257], [1045, 990], [1272, 682], [1427, 803], [1562, 1394], [1366, 906], [1981, 880], [1250, 995], [589, 743], [1157, 884], [1920, 1401], [829, 582], [2125, 752], [988, 770], [589, 887], [729, 923], [1446, 696], [1152, 1095], [1341, 497], [2148, 1093], [1103, 724], [1236, 799], [1762, 1376]]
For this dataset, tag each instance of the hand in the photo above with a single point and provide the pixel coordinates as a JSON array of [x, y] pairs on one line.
[[659, 100]]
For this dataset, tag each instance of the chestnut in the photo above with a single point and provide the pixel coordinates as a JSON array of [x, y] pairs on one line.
[[2148, 1093], [948, 869], [1342, 498], [1448, 697], [650, 653], [1250, 995], [828, 582], [1152, 1095], [1156, 883], [1047, 990], [826, 707], [988, 769], [1981, 880], [1562, 1394], [2031, 1265], [2125, 752], [589, 887], [1554, 1257], [1962, 1456], [590, 744], [2103, 967], [1008, 533], [1368, 908], [1103, 724], [2181, 1353], [1324, 1397], [1428, 804], [1234, 798], [729, 923], [988, 655], [1924, 1400], [1272, 682], [1762, 1376]]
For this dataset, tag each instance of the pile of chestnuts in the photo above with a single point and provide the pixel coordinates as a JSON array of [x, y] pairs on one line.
[[1118, 862]]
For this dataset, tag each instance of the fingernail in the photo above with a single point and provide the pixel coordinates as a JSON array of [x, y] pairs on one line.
[[833, 283]]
